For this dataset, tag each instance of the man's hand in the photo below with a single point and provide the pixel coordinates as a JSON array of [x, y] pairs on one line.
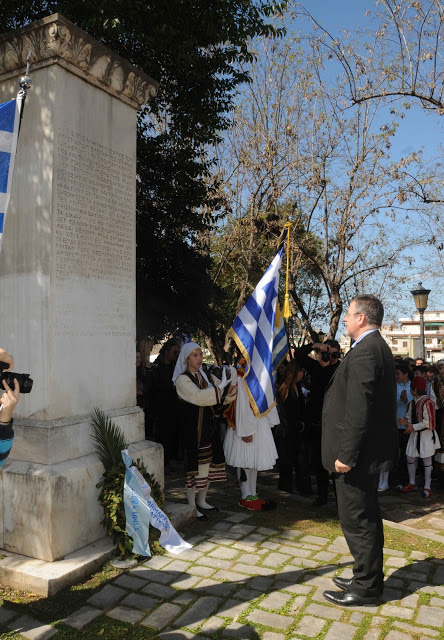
[[8, 401], [247, 438], [6, 357], [340, 467]]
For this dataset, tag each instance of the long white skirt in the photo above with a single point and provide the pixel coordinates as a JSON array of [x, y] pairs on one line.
[[260, 454]]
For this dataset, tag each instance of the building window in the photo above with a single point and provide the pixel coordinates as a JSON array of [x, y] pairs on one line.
[[404, 344], [428, 340], [394, 341]]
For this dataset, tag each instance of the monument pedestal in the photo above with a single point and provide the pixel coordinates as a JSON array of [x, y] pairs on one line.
[[67, 282]]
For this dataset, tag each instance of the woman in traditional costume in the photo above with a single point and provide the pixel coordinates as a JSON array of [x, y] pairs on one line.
[[199, 392]]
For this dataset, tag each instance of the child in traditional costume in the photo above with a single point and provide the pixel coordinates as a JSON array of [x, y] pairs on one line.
[[420, 423], [249, 444]]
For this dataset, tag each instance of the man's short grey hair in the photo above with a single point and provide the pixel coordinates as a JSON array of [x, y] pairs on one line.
[[371, 307]]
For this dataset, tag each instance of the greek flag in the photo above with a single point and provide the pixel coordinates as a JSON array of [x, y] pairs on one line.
[[260, 335], [9, 124]]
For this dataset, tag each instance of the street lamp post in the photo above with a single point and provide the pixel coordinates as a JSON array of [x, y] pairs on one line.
[[420, 295]]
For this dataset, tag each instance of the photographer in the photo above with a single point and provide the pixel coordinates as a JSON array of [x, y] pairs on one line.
[[8, 402], [320, 370]]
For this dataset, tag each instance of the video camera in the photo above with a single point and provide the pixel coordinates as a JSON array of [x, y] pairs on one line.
[[25, 382]]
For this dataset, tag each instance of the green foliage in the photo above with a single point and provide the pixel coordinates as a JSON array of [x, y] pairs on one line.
[[108, 443], [199, 51]]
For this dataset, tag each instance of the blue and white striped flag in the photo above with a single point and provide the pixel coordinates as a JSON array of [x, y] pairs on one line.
[[9, 125], [259, 333]]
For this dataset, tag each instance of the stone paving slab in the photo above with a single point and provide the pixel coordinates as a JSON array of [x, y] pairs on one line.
[[244, 581], [32, 629], [82, 617]]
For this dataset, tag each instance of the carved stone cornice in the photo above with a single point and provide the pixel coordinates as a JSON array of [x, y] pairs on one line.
[[55, 40]]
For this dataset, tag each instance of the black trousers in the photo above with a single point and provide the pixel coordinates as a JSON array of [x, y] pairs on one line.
[[361, 522]]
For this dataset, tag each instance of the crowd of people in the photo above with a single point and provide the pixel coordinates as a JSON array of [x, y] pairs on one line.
[[289, 438], [358, 424]]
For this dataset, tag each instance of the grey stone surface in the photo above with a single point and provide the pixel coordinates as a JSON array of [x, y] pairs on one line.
[[417, 630], [202, 571], [82, 617], [223, 554], [314, 540], [240, 631], [158, 590], [430, 616], [159, 562], [340, 631], [198, 612], [32, 629], [249, 558], [107, 597], [324, 612], [212, 625], [126, 614], [393, 611], [232, 608], [253, 570], [398, 635], [162, 616], [310, 626], [152, 575], [275, 600], [270, 619], [129, 582], [216, 588], [274, 560], [140, 601]]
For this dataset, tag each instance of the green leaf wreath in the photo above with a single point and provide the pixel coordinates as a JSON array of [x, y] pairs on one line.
[[109, 441]]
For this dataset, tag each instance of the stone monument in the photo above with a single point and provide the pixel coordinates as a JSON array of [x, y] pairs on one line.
[[67, 282]]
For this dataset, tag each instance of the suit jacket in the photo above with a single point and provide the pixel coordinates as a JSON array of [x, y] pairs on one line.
[[359, 413]]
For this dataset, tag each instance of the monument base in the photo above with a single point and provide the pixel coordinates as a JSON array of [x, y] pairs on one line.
[[48, 578]]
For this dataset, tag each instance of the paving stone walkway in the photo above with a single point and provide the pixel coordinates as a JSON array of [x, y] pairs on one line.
[[245, 580]]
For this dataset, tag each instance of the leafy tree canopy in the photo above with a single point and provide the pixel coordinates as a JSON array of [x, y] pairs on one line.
[[197, 50]]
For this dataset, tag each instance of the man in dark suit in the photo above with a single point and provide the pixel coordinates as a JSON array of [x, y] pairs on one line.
[[359, 440]]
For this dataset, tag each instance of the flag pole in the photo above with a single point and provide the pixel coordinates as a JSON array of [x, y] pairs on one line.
[[25, 83], [286, 312]]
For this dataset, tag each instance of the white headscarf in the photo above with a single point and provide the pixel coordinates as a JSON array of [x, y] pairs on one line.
[[182, 365]]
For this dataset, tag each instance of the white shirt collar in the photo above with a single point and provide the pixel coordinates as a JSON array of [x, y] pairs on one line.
[[363, 336]]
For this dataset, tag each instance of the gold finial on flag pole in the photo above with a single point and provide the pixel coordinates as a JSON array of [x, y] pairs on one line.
[[286, 312]]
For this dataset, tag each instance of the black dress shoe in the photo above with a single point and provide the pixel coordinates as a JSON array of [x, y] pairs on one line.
[[348, 599], [208, 508], [202, 518], [342, 583]]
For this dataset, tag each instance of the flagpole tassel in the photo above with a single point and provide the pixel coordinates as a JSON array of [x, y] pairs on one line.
[[286, 311]]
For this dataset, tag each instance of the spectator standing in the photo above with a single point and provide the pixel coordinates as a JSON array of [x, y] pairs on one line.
[[321, 371], [289, 433], [163, 402], [404, 396]]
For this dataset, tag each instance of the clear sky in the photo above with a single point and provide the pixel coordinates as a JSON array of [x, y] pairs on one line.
[[420, 129]]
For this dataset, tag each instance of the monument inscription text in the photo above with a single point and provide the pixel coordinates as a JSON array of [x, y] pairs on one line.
[[94, 237]]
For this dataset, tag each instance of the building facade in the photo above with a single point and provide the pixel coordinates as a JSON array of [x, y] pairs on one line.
[[404, 338]]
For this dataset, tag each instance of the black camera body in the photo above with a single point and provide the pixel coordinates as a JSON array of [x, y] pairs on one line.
[[24, 380], [325, 356]]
